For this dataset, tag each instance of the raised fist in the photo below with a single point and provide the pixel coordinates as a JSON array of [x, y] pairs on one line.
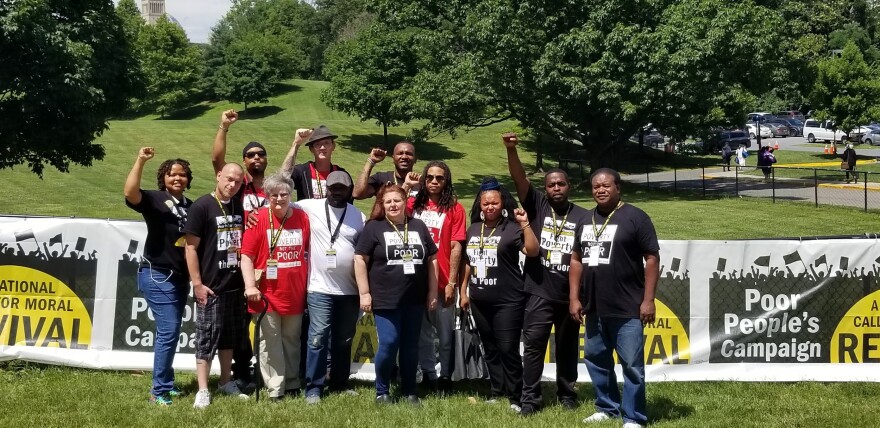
[[377, 155], [521, 217], [412, 179], [146, 153], [228, 117], [510, 139], [302, 135]]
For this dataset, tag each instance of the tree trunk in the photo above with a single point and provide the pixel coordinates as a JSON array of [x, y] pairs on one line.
[[385, 134], [539, 153]]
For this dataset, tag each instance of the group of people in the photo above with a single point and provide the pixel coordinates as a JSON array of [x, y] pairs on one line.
[[313, 265]]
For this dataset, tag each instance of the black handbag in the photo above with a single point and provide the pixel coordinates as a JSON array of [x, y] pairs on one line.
[[470, 361]]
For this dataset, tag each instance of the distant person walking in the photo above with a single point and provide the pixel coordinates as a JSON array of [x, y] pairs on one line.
[[741, 154], [726, 154], [849, 163], [766, 161]]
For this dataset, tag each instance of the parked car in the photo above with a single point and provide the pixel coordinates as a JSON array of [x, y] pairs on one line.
[[871, 137], [653, 138], [859, 134], [734, 137], [759, 116], [790, 114], [777, 127], [795, 127], [764, 131], [825, 130]]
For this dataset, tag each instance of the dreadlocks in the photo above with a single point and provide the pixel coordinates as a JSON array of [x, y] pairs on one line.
[[165, 169], [447, 194]]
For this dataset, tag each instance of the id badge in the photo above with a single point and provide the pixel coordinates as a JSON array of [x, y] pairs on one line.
[[556, 257], [481, 269], [232, 256], [331, 258], [594, 257], [409, 268], [271, 269]]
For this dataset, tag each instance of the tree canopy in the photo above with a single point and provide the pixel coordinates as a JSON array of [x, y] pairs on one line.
[[66, 70], [848, 89]]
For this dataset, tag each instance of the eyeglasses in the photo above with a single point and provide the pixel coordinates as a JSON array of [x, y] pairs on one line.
[[440, 178], [251, 155], [280, 196]]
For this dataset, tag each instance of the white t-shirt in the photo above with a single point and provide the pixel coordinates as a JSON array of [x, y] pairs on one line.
[[339, 280]]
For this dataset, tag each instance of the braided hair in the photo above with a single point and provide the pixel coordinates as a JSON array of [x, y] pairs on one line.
[[447, 194], [165, 169]]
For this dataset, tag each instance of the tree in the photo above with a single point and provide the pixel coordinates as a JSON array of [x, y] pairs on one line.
[[368, 77], [246, 72], [66, 70], [847, 89], [591, 71], [171, 65], [132, 25]]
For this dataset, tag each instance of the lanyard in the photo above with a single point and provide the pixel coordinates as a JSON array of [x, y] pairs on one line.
[[319, 188], [223, 210], [483, 230], [175, 207], [338, 225], [277, 234], [598, 232], [255, 198], [405, 236], [558, 231]]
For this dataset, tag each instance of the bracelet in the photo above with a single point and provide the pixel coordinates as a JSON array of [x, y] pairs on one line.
[[371, 161], [224, 129], [451, 284], [524, 227]]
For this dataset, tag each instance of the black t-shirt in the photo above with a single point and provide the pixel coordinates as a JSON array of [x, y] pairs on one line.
[[165, 217], [616, 287], [218, 230], [305, 182], [379, 179], [546, 280], [503, 282], [390, 288]]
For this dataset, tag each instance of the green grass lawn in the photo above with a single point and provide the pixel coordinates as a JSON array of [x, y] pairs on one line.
[[54, 396]]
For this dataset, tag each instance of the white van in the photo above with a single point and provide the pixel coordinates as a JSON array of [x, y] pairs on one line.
[[815, 130]]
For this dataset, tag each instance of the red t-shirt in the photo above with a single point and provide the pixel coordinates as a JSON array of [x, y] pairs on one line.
[[287, 294], [445, 227], [252, 198]]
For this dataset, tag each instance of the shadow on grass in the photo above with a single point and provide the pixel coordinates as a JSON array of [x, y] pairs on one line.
[[664, 409], [427, 150], [282, 88], [188, 113], [259, 112]]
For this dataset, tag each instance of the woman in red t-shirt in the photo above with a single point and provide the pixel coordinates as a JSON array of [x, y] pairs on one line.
[[274, 265]]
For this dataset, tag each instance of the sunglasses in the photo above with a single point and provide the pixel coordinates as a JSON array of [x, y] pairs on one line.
[[251, 155], [440, 178]]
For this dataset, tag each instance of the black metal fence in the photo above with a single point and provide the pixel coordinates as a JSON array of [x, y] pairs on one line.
[[818, 186]]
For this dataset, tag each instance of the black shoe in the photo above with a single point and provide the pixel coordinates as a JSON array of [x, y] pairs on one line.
[[276, 399], [414, 400], [527, 411], [444, 385], [569, 404], [430, 384], [384, 399]]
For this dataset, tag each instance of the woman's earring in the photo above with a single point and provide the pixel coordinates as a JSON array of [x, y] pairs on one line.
[[482, 216], [504, 213]]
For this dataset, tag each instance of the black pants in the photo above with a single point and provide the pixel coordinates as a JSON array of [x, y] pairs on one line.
[[243, 353], [500, 327], [540, 315]]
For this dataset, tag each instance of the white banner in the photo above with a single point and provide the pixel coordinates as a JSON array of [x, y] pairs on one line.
[[781, 310]]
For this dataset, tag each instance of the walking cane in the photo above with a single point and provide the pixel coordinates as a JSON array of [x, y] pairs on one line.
[[259, 376]]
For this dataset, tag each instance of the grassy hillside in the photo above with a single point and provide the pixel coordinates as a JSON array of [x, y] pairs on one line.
[[96, 191]]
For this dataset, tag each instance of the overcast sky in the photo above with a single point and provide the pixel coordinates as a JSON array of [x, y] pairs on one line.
[[195, 16]]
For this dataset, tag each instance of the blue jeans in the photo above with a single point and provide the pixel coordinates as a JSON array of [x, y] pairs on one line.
[[166, 294], [626, 336], [398, 329], [333, 321]]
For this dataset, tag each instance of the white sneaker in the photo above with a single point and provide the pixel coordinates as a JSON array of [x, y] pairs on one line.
[[516, 408], [632, 425], [203, 399], [596, 417], [231, 388]]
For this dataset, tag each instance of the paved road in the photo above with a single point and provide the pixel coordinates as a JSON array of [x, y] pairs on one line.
[[800, 144], [733, 183]]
